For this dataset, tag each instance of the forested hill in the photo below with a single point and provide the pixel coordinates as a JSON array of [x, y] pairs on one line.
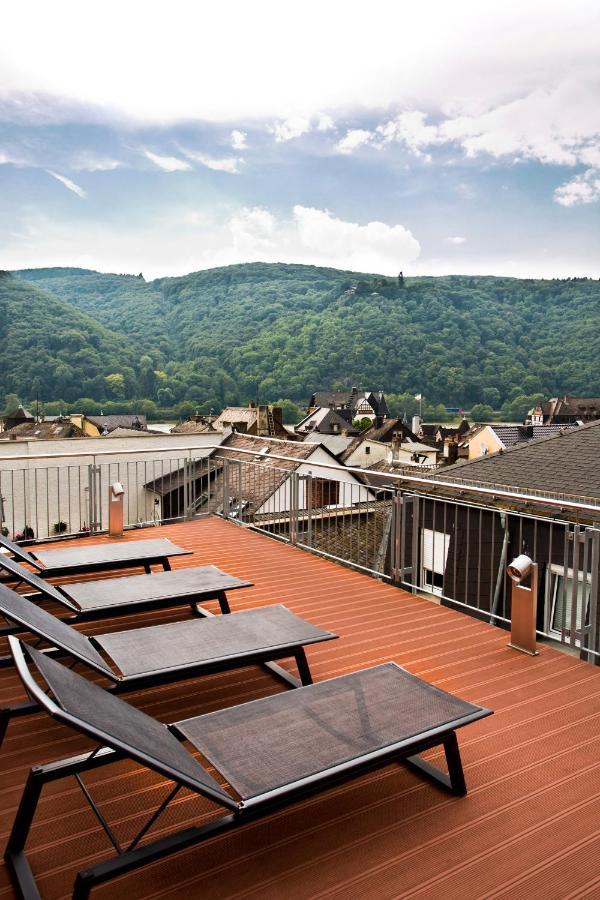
[[231, 334], [49, 349]]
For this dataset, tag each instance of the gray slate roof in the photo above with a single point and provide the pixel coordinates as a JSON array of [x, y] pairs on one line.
[[124, 421], [515, 434], [565, 463]]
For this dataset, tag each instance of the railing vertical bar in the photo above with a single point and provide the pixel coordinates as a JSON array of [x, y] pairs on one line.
[[548, 591], [467, 575], [13, 504], [585, 632], [594, 595], [574, 589], [455, 561], [479, 561], [563, 615], [35, 487], [446, 547], [416, 578], [492, 554], [47, 502]]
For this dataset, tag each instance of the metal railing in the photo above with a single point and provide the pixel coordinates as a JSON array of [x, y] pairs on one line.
[[447, 547]]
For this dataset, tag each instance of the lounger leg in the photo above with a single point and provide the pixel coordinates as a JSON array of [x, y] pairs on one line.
[[455, 769], [166, 565], [143, 856], [303, 669], [454, 781], [14, 855], [147, 569], [223, 603]]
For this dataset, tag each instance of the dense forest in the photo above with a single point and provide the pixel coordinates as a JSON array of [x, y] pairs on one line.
[[272, 331]]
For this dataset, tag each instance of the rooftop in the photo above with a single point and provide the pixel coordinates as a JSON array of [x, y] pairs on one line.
[[564, 463], [527, 828]]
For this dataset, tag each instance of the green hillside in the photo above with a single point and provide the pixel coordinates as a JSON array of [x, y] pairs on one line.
[[51, 350], [231, 334]]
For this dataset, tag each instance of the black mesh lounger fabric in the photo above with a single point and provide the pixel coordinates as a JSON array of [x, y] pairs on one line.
[[107, 716], [193, 581], [18, 551], [145, 650], [96, 554], [47, 626], [268, 743], [33, 580]]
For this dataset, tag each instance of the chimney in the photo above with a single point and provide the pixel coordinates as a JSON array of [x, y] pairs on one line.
[[416, 424], [262, 423], [277, 415], [396, 441]]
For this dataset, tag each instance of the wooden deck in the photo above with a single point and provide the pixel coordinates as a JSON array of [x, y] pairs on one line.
[[529, 827]]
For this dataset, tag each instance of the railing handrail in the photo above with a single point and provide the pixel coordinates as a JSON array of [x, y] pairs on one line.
[[564, 501]]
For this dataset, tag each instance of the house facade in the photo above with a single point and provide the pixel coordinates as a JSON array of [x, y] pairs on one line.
[[457, 543]]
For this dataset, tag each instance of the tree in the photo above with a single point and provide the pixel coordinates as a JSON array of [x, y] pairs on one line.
[[11, 404], [116, 385], [481, 412], [291, 412]]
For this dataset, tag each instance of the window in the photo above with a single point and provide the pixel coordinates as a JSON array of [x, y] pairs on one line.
[[367, 450], [559, 592], [434, 549], [324, 492]]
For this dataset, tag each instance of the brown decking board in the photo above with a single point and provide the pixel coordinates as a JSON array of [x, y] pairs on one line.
[[529, 827]]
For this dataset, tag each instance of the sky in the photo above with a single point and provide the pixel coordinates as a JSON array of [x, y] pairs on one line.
[[169, 137]]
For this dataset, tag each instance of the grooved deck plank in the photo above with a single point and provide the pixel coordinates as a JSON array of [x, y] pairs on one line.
[[529, 827]]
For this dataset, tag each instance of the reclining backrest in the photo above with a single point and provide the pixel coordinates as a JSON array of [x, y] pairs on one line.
[[30, 578], [114, 723], [37, 620], [19, 552]]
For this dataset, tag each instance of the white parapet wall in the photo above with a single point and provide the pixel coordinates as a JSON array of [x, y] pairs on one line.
[[46, 483]]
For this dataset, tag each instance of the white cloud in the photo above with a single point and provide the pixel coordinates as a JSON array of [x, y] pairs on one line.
[[457, 240], [287, 129], [281, 65], [324, 122], [584, 188], [7, 159], [91, 162], [410, 128], [229, 164], [558, 125], [374, 247], [353, 139], [239, 140], [168, 163], [181, 239], [252, 229], [68, 184]]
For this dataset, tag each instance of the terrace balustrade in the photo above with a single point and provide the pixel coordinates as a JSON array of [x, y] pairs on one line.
[[449, 541]]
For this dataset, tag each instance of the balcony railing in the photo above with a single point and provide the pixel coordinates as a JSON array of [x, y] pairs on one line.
[[391, 526]]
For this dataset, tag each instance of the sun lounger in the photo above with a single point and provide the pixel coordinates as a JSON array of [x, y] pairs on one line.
[[270, 752], [159, 654], [132, 593], [96, 557]]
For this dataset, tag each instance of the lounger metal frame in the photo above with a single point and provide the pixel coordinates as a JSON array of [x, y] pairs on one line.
[[53, 592], [265, 657], [161, 559], [133, 856]]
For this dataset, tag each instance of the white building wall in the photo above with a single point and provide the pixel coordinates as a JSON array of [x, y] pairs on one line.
[[367, 453], [351, 490], [44, 482]]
